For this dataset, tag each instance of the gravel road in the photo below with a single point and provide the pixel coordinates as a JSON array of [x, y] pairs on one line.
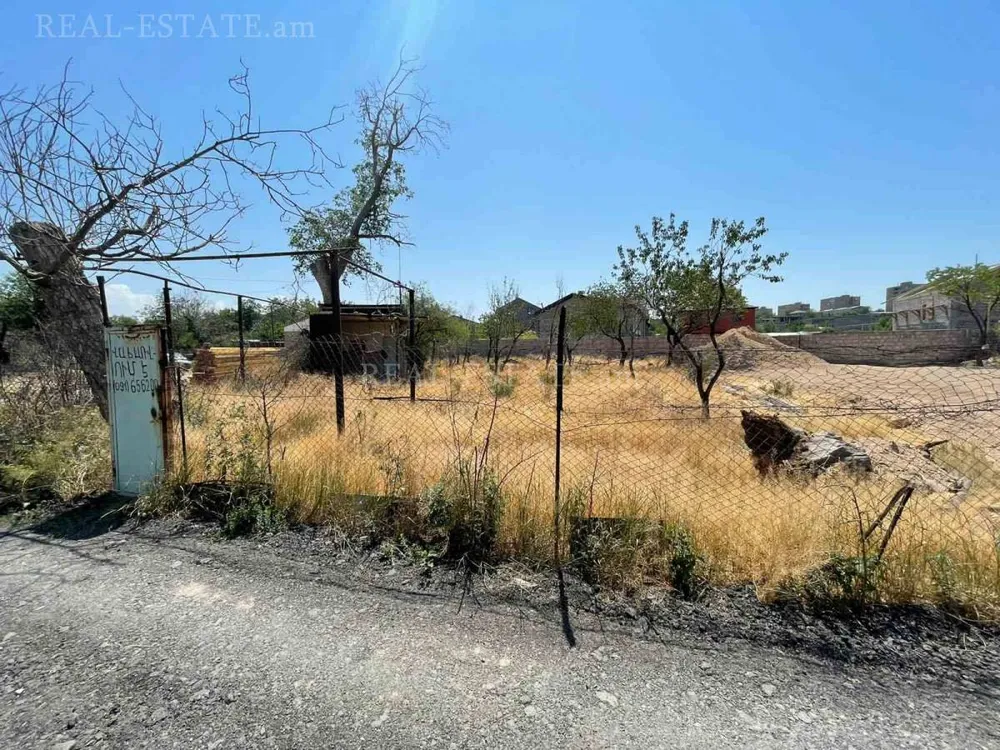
[[157, 638]]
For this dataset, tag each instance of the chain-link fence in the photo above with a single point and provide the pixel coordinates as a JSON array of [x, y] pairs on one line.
[[774, 468]]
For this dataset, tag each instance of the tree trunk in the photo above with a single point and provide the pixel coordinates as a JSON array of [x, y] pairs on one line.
[[72, 304], [622, 352]]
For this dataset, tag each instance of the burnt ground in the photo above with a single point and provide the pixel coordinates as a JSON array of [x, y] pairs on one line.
[[161, 634]]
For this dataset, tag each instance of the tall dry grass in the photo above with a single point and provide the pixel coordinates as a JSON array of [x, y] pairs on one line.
[[631, 447]]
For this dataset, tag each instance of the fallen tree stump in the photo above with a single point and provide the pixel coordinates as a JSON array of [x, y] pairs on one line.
[[773, 443]]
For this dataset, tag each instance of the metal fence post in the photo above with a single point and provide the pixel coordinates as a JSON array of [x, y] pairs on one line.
[[560, 364], [243, 350], [338, 342], [411, 355], [567, 625], [172, 359], [104, 301]]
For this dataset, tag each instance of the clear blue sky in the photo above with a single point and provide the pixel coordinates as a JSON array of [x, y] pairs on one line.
[[866, 133]]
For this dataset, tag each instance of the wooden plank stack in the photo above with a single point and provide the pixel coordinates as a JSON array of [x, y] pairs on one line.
[[221, 362]]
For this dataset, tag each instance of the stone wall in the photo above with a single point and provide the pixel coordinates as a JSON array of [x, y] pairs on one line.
[[883, 348], [889, 348]]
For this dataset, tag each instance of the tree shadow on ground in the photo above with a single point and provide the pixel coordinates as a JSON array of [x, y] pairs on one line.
[[86, 519]]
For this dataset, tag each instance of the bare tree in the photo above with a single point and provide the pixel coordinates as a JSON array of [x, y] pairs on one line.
[[80, 190], [396, 119]]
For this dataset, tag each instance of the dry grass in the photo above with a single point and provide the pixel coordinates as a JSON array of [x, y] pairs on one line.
[[638, 447]]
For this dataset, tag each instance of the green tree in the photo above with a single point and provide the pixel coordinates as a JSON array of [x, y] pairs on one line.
[[977, 287], [436, 326], [21, 304], [691, 290], [123, 321], [884, 323], [612, 310], [280, 312], [396, 120]]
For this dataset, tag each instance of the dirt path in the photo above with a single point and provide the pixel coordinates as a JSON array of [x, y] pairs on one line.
[[148, 640]]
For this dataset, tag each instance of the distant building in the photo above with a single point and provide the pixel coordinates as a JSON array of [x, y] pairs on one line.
[[522, 310], [764, 312], [923, 307], [545, 320], [894, 291], [793, 307], [839, 303], [745, 318]]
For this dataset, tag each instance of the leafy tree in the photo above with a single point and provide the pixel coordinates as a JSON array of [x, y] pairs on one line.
[[691, 290], [21, 303], [396, 119], [278, 313], [197, 322], [767, 325], [977, 287], [612, 310], [436, 326], [123, 321], [884, 323]]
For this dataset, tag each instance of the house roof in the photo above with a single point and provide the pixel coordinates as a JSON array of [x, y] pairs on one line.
[[559, 301], [521, 303], [916, 291], [355, 313], [371, 311]]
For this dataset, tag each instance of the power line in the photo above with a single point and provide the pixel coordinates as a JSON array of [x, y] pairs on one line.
[[273, 254]]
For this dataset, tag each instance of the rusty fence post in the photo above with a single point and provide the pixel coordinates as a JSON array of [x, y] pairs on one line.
[[560, 365], [243, 351], [567, 625], [411, 344], [172, 359], [338, 343]]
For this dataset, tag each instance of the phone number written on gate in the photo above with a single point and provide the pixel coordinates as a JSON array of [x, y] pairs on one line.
[[134, 386]]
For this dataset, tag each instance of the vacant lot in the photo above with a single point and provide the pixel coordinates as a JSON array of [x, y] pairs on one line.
[[638, 447]]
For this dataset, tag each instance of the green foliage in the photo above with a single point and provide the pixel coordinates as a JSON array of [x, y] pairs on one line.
[[691, 290], [65, 451], [684, 561], [977, 286], [331, 226], [197, 322], [503, 387], [438, 327], [254, 515], [884, 323], [123, 321], [233, 451], [627, 551], [20, 303], [844, 580]]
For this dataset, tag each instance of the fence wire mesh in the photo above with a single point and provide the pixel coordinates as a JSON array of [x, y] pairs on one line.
[[882, 477]]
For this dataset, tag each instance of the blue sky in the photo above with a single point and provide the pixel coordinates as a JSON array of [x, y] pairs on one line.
[[866, 133]]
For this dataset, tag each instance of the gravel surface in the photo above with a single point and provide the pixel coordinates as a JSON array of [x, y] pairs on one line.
[[160, 636]]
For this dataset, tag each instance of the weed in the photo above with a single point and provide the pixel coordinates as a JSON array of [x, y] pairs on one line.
[[503, 387], [780, 388], [254, 515]]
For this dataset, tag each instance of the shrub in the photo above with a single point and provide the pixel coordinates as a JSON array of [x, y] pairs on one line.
[[503, 387]]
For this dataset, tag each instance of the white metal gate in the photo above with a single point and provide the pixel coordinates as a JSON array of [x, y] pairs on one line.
[[137, 405]]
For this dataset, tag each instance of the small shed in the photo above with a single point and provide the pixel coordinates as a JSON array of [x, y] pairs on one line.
[[371, 339]]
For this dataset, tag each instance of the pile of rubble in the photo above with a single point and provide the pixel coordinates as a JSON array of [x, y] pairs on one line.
[[776, 445]]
